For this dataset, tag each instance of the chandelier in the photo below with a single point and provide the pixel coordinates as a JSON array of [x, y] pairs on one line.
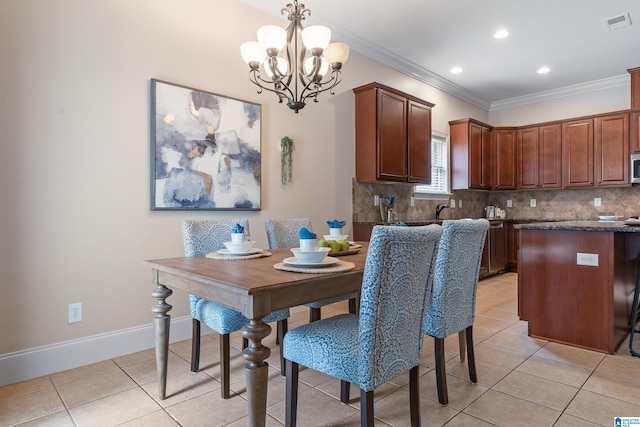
[[297, 63]]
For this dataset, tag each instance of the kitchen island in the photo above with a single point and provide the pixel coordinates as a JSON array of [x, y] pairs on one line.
[[576, 281]]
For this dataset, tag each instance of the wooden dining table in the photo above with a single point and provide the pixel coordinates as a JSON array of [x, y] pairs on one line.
[[253, 287]]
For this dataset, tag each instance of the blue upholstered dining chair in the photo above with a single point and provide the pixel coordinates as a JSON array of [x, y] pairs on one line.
[[201, 237], [386, 338], [452, 301], [284, 234]]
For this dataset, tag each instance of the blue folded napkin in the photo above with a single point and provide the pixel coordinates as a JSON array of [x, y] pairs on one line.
[[238, 229], [334, 223], [306, 234]]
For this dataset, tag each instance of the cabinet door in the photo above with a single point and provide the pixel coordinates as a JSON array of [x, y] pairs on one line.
[[480, 172], [577, 153], [504, 159], [487, 159], [611, 142], [419, 142], [635, 132], [392, 137], [550, 156], [528, 158]]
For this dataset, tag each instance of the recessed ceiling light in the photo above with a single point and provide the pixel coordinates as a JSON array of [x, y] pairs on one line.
[[456, 70], [500, 34], [543, 70]]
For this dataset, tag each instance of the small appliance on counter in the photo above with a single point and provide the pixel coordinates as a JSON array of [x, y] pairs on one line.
[[490, 212]]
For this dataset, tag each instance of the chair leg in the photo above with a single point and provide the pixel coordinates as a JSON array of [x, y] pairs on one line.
[[314, 314], [414, 396], [470, 355], [353, 306], [291, 401], [225, 349], [441, 374], [366, 408], [461, 344], [345, 387], [195, 345], [282, 329]]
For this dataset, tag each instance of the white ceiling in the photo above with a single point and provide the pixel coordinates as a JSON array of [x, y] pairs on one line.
[[426, 38]]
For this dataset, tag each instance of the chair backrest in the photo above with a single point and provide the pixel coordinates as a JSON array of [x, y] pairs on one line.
[[397, 277], [283, 233], [202, 236], [451, 305]]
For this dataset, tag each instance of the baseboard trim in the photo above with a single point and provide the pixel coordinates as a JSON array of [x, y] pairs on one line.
[[36, 362]]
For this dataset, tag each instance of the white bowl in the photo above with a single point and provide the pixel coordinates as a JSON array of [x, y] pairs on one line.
[[311, 257], [238, 248], [330, 237]]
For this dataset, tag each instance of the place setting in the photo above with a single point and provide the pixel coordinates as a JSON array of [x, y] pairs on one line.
[[313, 257], [239, 248]]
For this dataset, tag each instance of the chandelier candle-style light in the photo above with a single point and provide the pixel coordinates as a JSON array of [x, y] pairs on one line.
[[292, 63]]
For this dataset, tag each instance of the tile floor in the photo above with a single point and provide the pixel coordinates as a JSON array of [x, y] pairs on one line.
[[521, 382]]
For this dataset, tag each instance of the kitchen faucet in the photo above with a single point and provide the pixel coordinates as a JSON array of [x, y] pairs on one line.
[[439, 209]]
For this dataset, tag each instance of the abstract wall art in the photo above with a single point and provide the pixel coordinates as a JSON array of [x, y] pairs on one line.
[[205, 150]]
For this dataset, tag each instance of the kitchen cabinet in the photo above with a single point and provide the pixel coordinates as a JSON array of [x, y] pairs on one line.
[[634, 132], [539, 157], [577, 153], [471, 155], [393, 136], [611, 142], [511, 246], [504, 158]]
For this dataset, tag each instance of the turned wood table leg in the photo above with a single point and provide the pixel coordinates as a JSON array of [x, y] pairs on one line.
[[256, 370], [161, 322]]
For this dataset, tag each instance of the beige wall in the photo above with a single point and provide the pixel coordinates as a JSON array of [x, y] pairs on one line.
[[74, 151]]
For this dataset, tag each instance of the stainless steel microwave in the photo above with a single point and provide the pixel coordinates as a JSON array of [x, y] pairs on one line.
[[635, 168]]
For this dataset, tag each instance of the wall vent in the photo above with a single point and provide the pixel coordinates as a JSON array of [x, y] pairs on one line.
[[617, 22]]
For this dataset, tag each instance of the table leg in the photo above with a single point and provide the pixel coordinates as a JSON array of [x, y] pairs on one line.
[[256, 370], [161, 323]]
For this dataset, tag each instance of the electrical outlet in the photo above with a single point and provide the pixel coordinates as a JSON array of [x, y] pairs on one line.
[[597, 201], [452, 203], [509, 204], [532, 203], [460, 203], [412, 201], [376, 200], [587, 259], [75, 312]]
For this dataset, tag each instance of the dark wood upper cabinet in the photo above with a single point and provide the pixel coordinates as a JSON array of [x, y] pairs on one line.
[[504, 158], [471, 155], [393, 135], [634, 133], [611, 145], [577, 153], [540, 157]]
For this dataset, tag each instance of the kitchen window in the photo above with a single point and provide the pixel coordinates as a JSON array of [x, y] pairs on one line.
[[439, 188]]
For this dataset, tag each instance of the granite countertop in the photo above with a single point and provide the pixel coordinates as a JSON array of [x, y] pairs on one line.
[[616, 226]]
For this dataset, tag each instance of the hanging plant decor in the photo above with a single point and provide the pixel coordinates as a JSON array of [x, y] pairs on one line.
[[286, 160]]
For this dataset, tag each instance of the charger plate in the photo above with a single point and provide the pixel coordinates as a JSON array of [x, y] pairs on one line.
[[338, 267], [230, 257]]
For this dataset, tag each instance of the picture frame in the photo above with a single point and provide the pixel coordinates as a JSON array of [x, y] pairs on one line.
[[205, 150]]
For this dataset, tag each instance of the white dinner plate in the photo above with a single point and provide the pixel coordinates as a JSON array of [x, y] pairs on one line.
[[295, 262], [251, 251], [608, 218], [341, 237]]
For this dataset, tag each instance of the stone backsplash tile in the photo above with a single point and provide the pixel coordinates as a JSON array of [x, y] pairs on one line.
[[550, 204]]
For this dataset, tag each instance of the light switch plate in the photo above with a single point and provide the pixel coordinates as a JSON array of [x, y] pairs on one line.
[[532, 203], [509, 204], [597, 201], [452, 203]]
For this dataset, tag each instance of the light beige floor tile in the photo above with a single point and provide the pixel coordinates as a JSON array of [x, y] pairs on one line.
[[183, 386], [464, 420], [504, 316], [513, 341], [461, 392], [567, 420], [30, 386], [244, 422], [618, 387], [115, 409], [487, 374], [96, 387], [555, 370], [154, 419], [621, 366], [276, 387], [30, 406], [509, 411], [147, 371], [354, 421], [315, 408], [209, 410], [58, 419], [600, 409], [574, 355], [538, 390], [135, 358], [83, 372], [499, 356], [394, 409]]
